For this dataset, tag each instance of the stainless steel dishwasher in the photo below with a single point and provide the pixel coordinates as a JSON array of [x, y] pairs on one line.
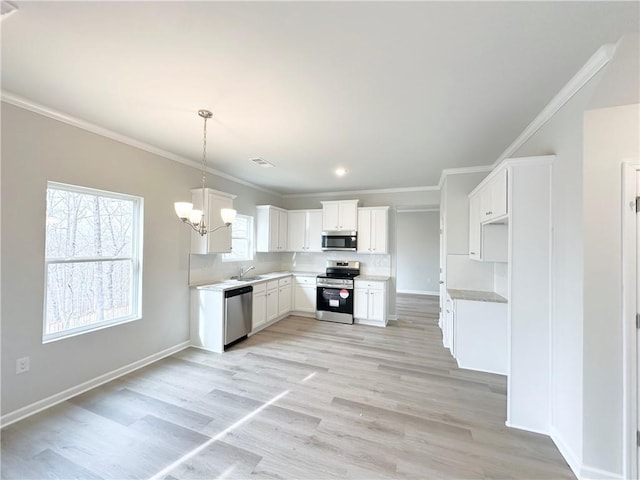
[[238, 310]]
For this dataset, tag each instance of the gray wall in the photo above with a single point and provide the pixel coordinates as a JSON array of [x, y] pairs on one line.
[[36, 149], [418, 252]]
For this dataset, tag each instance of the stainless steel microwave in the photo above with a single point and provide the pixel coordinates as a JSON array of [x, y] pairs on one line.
[[340, 240]]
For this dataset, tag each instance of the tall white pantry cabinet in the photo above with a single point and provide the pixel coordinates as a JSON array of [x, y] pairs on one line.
[[528, 203]]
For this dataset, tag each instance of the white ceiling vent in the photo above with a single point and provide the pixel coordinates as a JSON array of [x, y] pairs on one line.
[[6, 9], [261, 162]]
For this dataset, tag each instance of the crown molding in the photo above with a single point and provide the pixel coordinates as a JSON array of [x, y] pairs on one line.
[[462, 170], [26, 104], [597, 61], [429, 188]]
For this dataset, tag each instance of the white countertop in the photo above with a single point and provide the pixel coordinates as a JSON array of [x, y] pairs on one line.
[[223, 285], [475, 296], [373, 278]]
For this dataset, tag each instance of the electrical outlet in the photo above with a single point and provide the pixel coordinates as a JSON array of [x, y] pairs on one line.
[[22, 365]]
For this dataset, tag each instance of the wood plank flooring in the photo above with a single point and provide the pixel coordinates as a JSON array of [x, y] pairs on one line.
[[302, 399]]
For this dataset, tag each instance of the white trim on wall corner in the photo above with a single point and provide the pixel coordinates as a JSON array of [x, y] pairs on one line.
[[592, 473], [26, 104], [48, 402], [570, 457], [598, 60]]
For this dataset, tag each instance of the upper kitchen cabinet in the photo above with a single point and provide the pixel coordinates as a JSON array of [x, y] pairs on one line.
[[493, 197], [220, 240], [373, 230], [305, 231], [488, 214], [340, 215], [272, 229]]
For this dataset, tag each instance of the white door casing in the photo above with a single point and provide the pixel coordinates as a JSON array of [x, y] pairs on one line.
[[631, 307]]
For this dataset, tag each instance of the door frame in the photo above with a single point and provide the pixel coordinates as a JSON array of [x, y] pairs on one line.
[[630, 170]]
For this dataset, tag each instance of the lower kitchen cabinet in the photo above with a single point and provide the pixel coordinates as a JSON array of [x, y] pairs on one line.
[[259, 305], [370, 302], [272, 300], [304, 297], [284, 296], [479, 339]]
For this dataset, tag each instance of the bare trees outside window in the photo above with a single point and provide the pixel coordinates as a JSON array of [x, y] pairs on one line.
[[93, 267]]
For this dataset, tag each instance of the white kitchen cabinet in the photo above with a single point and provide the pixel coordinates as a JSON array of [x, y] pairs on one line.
[[259, 305], [488, 232], [373, 230], [340, 215], [448, 325], [480, 336], [304, 297], [370, 302], [475, 228], [284, 296], [493, 197], [305, 231], [271, 231], [272, 300], [220, 240]]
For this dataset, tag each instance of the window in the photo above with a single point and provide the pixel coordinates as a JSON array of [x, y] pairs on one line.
[[241, 240], [93, 260]]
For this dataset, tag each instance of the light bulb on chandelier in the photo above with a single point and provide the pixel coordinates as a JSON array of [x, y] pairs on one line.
[[196, 218]]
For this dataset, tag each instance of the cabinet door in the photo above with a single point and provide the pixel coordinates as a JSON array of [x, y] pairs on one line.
[[259, 310], [297, 231], [361, 303], [376, 305], [305, 298], [475, 228], [330, 215], [272, 304], [485, 203], [379, 230], [274, 241], [283, 230], [364, 231], [499, 195], [314, 231], [284, 300], [348, 216]]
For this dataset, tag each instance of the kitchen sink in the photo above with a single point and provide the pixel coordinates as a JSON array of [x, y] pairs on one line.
[[247, 279]]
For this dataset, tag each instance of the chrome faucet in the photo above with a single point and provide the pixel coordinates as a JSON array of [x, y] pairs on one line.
[[243, 272]]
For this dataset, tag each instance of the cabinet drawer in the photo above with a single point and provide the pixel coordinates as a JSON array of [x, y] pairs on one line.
[[272, 284], [371, 285], [259, 287], [284, 281], [305, 280]]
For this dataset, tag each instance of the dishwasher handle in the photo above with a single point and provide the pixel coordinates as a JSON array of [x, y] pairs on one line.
[[237, 291]]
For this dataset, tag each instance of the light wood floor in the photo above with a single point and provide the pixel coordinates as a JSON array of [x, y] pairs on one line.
[[302, 399]]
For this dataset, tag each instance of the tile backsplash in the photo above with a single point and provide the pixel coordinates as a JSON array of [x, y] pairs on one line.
[[205, 269]]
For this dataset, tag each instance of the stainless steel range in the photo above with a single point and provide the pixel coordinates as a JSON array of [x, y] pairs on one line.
[[334, 297]]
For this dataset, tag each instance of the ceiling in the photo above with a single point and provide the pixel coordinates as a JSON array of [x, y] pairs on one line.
[[392, 91]]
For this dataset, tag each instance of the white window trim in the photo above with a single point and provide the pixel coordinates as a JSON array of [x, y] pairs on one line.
[[252, 242], [135, 259]]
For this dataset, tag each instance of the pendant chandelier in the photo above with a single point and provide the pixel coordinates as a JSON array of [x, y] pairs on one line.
[[195, 218]]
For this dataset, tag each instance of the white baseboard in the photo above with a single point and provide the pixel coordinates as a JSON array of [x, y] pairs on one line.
[[392, 318], [48, 402], [592, 473], [526, 429], [372, 323], [574, 461], [419, 292]]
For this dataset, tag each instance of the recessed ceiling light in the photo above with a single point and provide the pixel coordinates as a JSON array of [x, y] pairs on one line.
[[262, 163], [340, 171], [6, 9]]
